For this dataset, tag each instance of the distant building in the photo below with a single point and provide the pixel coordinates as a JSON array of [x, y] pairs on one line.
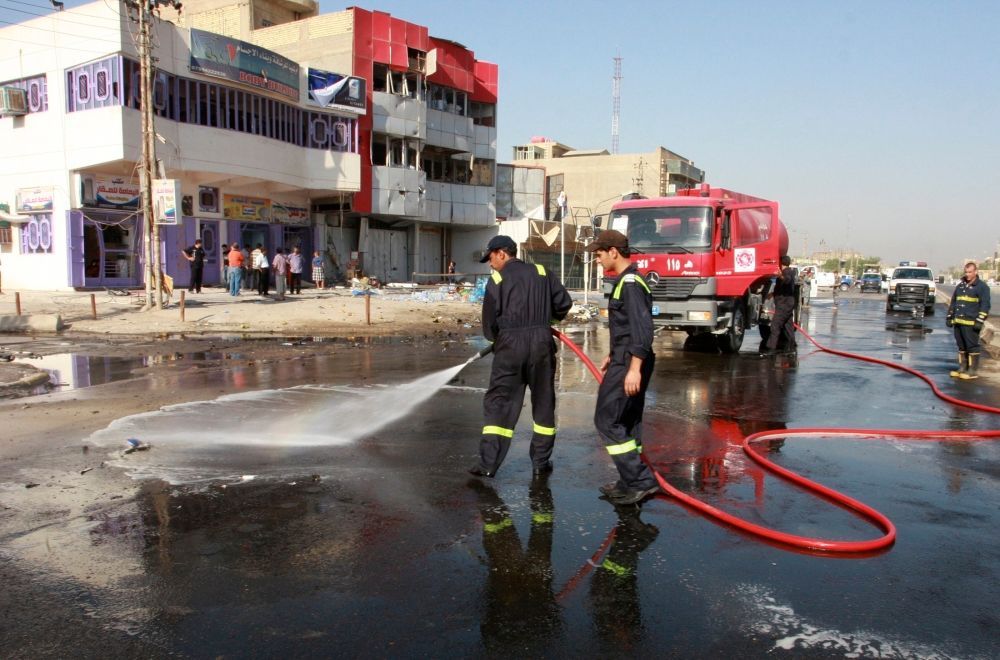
[[594, 179]]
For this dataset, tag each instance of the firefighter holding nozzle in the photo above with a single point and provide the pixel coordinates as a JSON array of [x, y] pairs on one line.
[[966, 314]]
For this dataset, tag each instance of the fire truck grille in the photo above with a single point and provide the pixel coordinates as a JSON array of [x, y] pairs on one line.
[[674, 287]]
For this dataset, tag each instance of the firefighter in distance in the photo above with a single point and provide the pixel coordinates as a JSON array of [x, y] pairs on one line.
[[970, 305]]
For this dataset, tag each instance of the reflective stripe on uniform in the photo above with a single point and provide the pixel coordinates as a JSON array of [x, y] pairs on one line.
[[968, 299], [623, 448], [541, 269], [496, 277], [617, 569], [492, 528], [982, 316], [544, 430], [541, 518], [631, 277], [498, 430], [964, 321]]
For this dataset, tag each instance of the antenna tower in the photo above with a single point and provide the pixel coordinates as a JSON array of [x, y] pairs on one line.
[[616, 103]]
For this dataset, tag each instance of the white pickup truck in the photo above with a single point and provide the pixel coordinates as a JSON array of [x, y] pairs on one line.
[[911, 286]]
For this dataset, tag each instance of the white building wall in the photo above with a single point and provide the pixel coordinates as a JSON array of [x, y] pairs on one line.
[[46, 149]]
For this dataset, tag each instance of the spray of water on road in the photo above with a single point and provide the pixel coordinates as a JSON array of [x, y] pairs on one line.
[[273, 430]]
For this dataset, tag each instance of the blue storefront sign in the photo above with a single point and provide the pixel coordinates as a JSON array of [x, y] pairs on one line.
[[337, 91]]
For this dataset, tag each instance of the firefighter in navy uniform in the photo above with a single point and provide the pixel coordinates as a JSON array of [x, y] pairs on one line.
[[627, 371], [967, 313], [784, 309], [521, 301]]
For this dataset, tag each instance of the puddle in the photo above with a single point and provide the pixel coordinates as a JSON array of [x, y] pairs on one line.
[[69, 371]]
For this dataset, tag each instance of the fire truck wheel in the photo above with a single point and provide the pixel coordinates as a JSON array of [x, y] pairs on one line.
[[733, 339]]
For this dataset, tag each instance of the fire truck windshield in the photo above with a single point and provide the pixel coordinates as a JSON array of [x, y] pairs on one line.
[[684, 228]]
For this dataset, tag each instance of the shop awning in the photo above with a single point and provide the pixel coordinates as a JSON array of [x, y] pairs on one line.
[[13, 219]]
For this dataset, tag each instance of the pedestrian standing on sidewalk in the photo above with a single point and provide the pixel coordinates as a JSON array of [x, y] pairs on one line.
[[627, 370], [521, 301], [235, 269], [224, 251], [317, 270], [967, 312], [196, 255], [280, 266], [263, 272], [295, 267], [254, 282]]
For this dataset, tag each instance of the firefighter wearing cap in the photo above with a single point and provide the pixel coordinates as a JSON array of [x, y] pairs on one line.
[[784, 309], [970, 305], [521, 302], [627, 371]]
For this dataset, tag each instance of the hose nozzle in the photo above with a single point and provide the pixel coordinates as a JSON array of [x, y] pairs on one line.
[[483, 353]]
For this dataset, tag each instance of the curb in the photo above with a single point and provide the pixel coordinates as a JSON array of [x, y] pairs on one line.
[[31, 323]]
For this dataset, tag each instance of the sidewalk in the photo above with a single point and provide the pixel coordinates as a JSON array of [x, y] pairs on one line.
[[330, 312]]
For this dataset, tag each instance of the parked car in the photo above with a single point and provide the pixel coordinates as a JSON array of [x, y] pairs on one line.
[[871, 282]]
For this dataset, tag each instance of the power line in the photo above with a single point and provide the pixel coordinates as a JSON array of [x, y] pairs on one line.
[[46, 47], [62, 16], [65, 34]]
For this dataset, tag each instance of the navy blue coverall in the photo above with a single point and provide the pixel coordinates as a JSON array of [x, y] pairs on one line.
[[618, 417], [970, 305], [519, 306]]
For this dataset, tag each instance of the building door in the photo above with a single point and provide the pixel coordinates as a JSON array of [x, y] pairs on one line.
[[111, 248], [210, 242], [386, 256]]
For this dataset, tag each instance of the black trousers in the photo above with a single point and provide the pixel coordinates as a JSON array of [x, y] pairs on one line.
[[196, 275], [521, 357], [781, 324], [618, 418], [966, 338], [263, 280], [296, 286]]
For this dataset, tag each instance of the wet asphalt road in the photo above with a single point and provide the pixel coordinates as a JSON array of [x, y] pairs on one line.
[[385, 547]]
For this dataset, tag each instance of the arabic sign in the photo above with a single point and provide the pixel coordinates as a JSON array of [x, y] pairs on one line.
[[166, 194], [116, 193], [34, 200], [337, 91], [241, 207], [289, 214], [232, 59]]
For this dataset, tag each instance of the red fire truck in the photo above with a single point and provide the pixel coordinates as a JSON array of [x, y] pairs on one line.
[[708, 255]]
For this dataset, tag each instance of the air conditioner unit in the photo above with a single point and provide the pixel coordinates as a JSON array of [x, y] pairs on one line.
[[13, 102], [87, 196]]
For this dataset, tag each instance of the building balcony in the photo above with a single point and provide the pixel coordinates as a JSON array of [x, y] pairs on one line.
[[459, 204], [399, 115], [398, 191]]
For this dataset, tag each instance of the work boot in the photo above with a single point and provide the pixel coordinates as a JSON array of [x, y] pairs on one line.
[[613, 489], [972, 372], [634, 495], [962, 366], [541, 470], [480, 471]]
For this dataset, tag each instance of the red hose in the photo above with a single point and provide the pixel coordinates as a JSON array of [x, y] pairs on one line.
[[854, 506]]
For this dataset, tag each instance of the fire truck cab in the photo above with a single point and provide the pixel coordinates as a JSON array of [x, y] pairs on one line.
[[708, 255]]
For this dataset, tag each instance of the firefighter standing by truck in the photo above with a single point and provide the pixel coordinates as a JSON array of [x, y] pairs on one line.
[[627, 371], [784, 309], [521, 301], [970, 305]]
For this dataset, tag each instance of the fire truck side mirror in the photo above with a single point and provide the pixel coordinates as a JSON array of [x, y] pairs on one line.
[[597, 221], [725, 242]]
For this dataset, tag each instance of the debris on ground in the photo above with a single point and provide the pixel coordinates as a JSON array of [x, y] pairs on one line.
[[135, 445]]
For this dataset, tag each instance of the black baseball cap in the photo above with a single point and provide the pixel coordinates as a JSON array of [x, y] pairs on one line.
[[498, 243]]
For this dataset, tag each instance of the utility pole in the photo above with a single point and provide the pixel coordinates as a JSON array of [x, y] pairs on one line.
[[147, 159], [616, 103]]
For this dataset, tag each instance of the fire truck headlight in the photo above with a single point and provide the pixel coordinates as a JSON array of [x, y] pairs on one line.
[[699, 316]]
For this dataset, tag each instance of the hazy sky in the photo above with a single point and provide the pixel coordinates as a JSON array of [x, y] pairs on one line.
[[875, 124]]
